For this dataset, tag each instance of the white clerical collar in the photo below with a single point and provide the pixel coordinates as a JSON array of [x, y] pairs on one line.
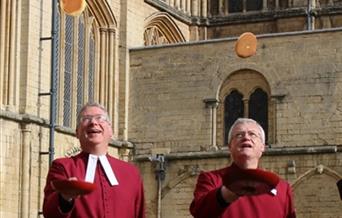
[[91, 168]]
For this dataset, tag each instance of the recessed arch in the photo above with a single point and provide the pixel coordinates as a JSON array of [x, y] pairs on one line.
[[182, 183], [319, 170], [176, 181], [246, 82], [94, 31], [161, 29], [311, 187], [104, 16]]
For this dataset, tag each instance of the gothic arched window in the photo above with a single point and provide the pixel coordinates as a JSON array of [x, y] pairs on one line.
[[80, 64], [233, 109], [76, 77], [161, 29], [91, 67], [258, 108], [68, 60], [245, 93]]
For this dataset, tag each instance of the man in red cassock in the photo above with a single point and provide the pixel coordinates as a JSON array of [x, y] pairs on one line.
[[215, 197], [119, 187]]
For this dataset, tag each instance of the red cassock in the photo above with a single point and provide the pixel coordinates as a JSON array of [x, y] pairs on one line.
[[206, 203], [125, 200]]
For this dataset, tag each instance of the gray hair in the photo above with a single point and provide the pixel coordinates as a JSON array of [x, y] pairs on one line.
[[91, 104], [246, 120]]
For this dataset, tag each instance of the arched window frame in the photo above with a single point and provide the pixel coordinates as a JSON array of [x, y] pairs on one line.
[[99, 62], [245, 82], [73, 89], [161, 29]]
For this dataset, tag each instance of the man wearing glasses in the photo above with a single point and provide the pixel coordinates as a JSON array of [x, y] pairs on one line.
[[243, 189], [119, 187]]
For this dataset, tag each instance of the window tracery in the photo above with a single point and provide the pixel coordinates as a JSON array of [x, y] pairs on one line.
[[161, 29]]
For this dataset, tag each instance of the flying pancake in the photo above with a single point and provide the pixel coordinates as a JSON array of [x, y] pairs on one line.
[[246, 45], [73, 7]]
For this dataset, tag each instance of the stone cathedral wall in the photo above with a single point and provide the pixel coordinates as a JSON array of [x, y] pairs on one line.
[[168, 115]]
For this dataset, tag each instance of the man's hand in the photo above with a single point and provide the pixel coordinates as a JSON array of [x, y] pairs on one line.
[[228, 195], [67, 195]]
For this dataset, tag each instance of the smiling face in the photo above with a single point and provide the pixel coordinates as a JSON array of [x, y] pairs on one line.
[[246, 145], [94, 130]]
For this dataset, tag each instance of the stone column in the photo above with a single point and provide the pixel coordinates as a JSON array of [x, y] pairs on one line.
[[221, 8], [3, 18], [311, 14], [102, 72], [245, 105], [25, 170], [291, 172], [172, 3], [9, 76], [177, 4], [12, 74], [113, 82], [209, 12], [264, 5], [88, 27], [125, 153], [194, 8], [212, 104], [274, 100], [226, 8], [188, 7], [204, 11]]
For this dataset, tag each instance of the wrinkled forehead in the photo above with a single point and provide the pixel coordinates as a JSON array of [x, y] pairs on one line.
[[248, 126], [92, 110]]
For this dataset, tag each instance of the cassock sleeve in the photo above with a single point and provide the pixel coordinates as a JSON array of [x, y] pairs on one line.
[[290, 204], [206, 202], [140, 202], [51, 206]]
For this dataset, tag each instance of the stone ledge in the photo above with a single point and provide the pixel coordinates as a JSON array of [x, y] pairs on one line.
[[245, 17], [275, 151], [31, 119]]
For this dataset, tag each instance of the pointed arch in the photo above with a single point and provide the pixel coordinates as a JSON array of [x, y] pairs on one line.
[[319, 170], [186, 174], [103, 14], [317, 185], [105, 47], [90, 60], [161, 29]]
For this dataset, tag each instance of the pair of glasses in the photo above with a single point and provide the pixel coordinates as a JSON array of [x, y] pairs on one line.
[[100, 118], [251, 134]]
